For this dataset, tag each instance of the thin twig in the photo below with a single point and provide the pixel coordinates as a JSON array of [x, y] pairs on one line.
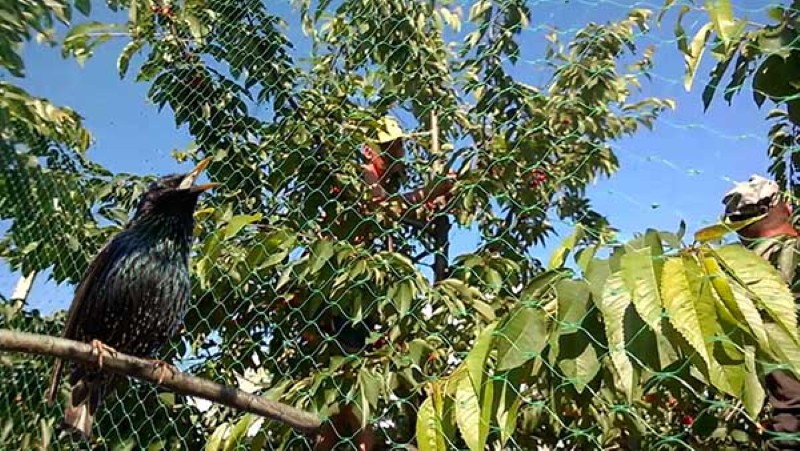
[[144, 370]]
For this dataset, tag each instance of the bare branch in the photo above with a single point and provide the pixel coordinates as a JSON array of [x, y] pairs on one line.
[[177, 382]]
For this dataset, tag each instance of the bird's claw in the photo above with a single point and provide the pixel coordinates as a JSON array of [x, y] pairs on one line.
[[100, 348], [163, 367]]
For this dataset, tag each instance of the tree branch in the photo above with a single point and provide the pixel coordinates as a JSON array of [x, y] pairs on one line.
[[144, 370], [441, 224]]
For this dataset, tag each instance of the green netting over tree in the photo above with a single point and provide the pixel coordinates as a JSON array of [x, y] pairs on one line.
[[323, 269]]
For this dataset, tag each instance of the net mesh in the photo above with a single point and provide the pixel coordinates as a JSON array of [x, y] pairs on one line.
[[439, 224]]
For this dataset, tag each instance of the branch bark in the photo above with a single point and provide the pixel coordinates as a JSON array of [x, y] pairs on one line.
[[177, 382], [441, 224]]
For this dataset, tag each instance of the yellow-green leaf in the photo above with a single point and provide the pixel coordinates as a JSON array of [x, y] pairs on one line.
[[717, 231], [469, 416], [721, 14], [784, 347], [612, 304], [680, 305], [725, 364], [639, 274], [765, 282], [429, 430], [736, 299], [696, 50]]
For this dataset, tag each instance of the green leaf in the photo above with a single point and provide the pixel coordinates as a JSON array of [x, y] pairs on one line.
[[582, 368], [680, 32], [369, 389], [597, 273], [237, 223], [543, 283], [123, 62], [508, 400], [653, 240], [559, 256], [485, 310], [773, 78], [573, 303], [469, 416], [716, 76], [401, 295], [793, 108], [81, 39], [753, 393], [476, 359], [585, 256], [521, 338], [639, 274], [238, 432], [321, 252], [696, 50], [214, 443], [84, 6], [196, 28], [612, 305]]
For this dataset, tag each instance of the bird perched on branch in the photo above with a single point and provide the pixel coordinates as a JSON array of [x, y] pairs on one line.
[[134, 294]]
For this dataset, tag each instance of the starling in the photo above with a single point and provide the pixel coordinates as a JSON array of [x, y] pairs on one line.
[[134, 294]]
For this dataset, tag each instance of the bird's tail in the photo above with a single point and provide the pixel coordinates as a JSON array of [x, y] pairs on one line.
[[84, 399]]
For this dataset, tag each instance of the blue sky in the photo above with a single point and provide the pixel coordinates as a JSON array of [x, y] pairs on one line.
[[677, 171]]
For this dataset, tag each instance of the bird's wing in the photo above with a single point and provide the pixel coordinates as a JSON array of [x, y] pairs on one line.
[[89, 277]]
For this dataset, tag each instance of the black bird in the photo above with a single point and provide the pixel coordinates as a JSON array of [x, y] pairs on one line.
[[135, 292]]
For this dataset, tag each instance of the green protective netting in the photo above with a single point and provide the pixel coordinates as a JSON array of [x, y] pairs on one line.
[[441, 224]]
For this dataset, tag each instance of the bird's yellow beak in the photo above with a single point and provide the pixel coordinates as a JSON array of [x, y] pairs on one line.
[[188, 181]]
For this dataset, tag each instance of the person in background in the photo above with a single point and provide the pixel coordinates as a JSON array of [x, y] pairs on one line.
[[775, 239], [385, 169]]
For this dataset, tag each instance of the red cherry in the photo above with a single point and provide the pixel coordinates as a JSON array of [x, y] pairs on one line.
[[335, 190], [539, 177], [687, 420], [310, 337]]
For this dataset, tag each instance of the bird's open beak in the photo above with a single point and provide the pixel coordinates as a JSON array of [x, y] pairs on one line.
[[188, 181]]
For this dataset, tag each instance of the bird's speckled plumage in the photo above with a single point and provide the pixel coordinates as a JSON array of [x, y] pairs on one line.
[[135, 293]]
